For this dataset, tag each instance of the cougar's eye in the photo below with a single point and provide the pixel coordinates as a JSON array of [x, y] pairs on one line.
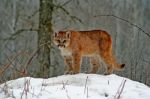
[[64, 41], [58, 41]]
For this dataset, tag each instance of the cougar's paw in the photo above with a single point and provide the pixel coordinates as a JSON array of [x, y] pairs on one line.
[[68, 72], [75, 72], [107, 73]]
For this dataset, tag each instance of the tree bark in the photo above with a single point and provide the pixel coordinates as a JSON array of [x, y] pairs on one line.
[[44, 38]]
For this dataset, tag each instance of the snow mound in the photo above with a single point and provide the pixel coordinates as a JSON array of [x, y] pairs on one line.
[[79, 86]]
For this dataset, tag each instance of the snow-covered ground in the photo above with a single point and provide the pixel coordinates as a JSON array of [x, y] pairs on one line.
[[80, 86]]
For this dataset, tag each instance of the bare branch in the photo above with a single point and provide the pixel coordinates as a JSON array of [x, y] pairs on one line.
[[120, 89], [6, 66], [34, 54], [34, 13], [125, 21], [148, 62], [85, 87], [74, 18], [26, 88], [16, 20], [11, 60], [66, 2], [17, 33], [67, 94]]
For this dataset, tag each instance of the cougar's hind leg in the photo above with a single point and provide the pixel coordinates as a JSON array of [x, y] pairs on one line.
[[105, 53], [108, 60], [95, 65]]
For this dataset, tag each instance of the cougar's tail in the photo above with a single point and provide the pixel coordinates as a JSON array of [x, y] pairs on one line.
[[118, 66]]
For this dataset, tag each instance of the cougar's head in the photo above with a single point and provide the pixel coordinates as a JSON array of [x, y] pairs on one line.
[[62, 39]]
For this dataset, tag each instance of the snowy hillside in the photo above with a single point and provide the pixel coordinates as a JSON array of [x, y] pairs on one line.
[[80, 86]]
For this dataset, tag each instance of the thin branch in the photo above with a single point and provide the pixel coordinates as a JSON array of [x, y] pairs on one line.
[[146, 61], [87, 93], [6, 66], [67, 94], [125, 21], [12, 51], [74, 18], [26, 88], [34, 54], [66, 2], [34, 13], [13, 66], [16, 20], [64, 84], [85, 87], [120, 89], [18, 32]]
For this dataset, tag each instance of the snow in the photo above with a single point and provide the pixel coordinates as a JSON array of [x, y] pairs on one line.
[[79, 86]]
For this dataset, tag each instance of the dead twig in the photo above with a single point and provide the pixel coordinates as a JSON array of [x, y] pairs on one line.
[[85, 87], [26, 88], [64, 84], [120, 89], [87, 93], [67, 94]]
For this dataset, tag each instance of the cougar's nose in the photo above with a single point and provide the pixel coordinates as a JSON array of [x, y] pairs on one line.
[[61, 46]]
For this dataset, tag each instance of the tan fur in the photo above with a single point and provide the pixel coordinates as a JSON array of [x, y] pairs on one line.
[[94, 44]]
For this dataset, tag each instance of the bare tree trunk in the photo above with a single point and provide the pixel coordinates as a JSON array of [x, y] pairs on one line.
[[44, 38]]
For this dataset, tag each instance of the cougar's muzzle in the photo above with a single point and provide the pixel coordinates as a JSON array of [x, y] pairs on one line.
[[61, 46]]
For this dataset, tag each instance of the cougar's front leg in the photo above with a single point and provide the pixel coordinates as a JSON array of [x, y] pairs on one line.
[[76, 62], [68, 61]]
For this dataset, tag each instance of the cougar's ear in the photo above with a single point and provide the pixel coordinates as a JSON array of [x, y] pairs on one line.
[[55, 34], [68, 34]]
